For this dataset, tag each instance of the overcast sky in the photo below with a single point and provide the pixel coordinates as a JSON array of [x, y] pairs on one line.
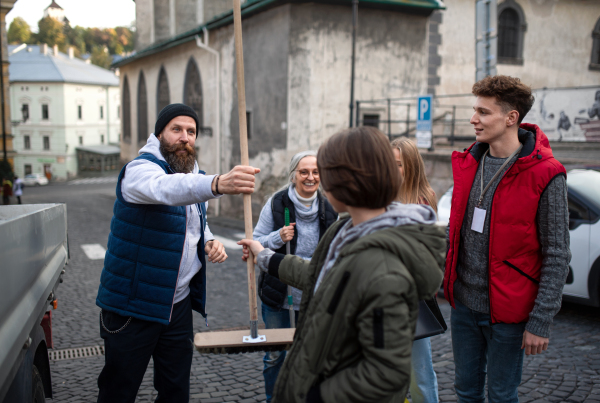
[[86, 13]]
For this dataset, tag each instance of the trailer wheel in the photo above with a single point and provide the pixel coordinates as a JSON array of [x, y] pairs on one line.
[[37, 390]]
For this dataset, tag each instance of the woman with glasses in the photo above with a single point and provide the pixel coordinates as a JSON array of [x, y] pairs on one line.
[[310, 214]]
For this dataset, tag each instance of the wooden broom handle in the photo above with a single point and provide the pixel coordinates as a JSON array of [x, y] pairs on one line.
[[239, 59]]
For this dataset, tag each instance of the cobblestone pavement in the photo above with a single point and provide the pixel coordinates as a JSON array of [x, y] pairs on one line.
[[568, 372]]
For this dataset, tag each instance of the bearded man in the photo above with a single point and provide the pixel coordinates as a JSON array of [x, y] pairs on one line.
[[155, 270]]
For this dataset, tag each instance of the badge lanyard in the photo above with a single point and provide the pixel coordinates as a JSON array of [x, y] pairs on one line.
[[479, 213]]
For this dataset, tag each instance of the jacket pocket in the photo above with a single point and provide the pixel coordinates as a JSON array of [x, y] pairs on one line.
[[339, 291], [512, 266], [134, 282]]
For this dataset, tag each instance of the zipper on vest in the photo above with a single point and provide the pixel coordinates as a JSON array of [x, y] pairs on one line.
[[490, 247], [180, 261]]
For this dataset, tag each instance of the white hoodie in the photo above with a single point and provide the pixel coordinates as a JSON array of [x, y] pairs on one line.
[[147, 183]]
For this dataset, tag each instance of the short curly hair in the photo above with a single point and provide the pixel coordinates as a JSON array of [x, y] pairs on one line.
[[510, 93], [358, 168]]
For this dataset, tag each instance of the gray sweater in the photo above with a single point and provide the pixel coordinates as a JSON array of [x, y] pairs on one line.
[[307, 225], [471, 287]]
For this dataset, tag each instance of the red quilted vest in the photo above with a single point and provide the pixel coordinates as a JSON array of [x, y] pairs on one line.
[[515, 256]]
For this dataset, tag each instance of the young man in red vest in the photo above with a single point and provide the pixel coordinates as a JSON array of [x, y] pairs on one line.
[[508, 238]]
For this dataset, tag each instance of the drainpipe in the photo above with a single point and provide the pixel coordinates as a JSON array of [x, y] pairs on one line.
[[107, 117], [203, 44], [353, 62]]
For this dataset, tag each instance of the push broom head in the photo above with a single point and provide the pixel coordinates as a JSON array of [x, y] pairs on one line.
[[232, 342]]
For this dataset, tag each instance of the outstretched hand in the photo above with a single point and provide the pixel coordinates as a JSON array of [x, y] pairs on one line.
[[239, 180], [250, 246]]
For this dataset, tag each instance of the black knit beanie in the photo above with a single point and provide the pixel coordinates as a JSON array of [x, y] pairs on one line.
[[170, 112]]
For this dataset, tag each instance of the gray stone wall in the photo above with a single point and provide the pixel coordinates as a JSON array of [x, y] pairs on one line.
[[185, 15], [162, 26], [144, 22], [213, 8]]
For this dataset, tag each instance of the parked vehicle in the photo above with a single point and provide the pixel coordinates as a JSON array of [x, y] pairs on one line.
[[583, 281], [35, 180], [34, 253]]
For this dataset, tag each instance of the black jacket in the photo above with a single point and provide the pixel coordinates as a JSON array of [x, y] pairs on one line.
[[272, 291]]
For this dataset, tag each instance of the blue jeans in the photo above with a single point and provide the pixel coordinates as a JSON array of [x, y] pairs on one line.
[[423, 381], [274, 318], [481, 348]]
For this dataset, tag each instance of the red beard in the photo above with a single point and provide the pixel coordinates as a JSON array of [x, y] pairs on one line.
[[180, 163]]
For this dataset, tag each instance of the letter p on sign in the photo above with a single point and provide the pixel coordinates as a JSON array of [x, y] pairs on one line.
[[424, 113], [423, 108]]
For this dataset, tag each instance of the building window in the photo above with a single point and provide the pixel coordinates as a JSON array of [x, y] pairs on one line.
[[142, 112], [101, 112], [27, 142], [46, 142], [79, 112], [163, 97], [371, 120], [511, 30], [25, 112], [27, 169], [45, 114], [102, 139], [80, 140], [595, 62], [192, 89], [126, 102]]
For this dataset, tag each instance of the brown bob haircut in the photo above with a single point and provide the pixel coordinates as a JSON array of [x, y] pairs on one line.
[[510, 93], [358, 168]]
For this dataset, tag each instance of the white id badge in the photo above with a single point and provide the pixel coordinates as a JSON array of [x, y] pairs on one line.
[[478, 220]]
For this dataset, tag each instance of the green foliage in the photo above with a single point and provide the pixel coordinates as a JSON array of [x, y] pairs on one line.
[[100, 57], [6, 170], [51, 32], [100, 43], [19, 31]]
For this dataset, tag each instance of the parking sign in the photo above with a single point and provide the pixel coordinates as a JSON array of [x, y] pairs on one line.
[[424, 121]]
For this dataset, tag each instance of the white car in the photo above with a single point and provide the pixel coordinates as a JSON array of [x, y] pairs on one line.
[[35, 180], [583, 281]]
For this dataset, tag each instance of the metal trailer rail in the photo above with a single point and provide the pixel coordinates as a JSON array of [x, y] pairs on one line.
[[33, 254]]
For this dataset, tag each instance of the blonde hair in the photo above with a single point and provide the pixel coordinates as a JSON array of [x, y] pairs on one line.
[[415, 188]]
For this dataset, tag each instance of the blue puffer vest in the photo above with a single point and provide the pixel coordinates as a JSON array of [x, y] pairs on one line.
[[141, 266]]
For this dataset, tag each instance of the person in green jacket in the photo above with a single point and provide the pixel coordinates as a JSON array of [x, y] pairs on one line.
[[362, 288]]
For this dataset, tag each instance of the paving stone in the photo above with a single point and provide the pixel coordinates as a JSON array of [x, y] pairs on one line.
[[562, 373]]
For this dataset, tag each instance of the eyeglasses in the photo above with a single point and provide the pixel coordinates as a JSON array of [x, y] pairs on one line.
[[304, 173]]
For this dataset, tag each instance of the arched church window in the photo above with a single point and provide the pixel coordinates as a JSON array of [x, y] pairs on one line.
[[192, 89], [595, 62], [126, 105], [142, 110], [511, 29], [162, 91]]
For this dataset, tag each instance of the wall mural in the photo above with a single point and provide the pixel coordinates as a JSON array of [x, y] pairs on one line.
[[567, 114]]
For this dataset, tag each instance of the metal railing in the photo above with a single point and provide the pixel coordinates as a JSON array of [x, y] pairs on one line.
[[450, 119]]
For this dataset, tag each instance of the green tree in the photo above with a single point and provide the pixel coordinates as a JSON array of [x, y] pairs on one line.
[[51, 32], [100, 56], [19, 31]]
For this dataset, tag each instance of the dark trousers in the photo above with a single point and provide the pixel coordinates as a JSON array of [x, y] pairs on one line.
[[128, 352], [19, 199]]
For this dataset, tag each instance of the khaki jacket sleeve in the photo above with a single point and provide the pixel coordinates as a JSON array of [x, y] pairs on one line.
[[294, 271], [385, 332]]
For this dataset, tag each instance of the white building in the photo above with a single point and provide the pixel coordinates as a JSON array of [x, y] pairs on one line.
[[59, 103], [55, 11]]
